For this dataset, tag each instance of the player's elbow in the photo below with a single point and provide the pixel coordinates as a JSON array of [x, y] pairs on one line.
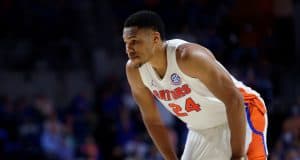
[[150, 117], [151, 120], [234, 100]]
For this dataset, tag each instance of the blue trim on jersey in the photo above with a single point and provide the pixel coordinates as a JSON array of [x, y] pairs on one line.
[[253, 129]]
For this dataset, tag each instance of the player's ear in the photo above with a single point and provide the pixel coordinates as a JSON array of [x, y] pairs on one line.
[[156, 37]]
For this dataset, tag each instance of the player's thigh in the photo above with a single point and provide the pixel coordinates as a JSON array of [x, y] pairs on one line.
[[210, 144]]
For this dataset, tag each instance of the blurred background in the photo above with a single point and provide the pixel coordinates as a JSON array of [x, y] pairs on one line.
[[63, 90]]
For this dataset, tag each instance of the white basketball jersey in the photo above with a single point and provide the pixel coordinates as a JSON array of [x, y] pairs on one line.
[[186, 97]]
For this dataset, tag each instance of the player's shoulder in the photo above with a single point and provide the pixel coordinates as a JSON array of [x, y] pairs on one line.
[[189, 51], [130, 66], [131, 69], [193, 59], [133, 76]]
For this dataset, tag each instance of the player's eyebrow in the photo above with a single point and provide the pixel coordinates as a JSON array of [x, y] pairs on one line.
[[128, 38], [131, 36]]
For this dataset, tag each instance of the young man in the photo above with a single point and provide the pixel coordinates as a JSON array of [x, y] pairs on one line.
[[225, 118]]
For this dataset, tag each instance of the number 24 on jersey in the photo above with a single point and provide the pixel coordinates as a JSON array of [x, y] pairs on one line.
[[190, 106]]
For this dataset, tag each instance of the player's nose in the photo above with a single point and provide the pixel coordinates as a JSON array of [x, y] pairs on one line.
[[129, 49]]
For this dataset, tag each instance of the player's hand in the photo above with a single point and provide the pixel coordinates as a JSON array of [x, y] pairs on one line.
[[238, 158], [174, 158]]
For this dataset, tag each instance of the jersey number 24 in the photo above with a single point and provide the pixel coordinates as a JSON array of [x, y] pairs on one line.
[[190, 106]]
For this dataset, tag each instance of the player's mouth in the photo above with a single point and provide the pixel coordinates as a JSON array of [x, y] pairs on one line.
[[132, 56]]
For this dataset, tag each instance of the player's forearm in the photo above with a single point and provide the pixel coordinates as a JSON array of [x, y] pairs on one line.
[[159, 135], [237, 125]]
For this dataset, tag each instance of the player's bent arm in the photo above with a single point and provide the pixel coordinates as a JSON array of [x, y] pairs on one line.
[[150, 113], [198, 62]]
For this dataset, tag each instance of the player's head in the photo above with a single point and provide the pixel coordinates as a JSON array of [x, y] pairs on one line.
[[143, 32]]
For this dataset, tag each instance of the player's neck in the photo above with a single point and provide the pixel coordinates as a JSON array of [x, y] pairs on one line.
[[159, 60]]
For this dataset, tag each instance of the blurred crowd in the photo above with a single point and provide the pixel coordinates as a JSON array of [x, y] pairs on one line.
[[255, 40]]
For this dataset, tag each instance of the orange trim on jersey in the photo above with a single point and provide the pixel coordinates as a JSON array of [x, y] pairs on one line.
[[256, 111]]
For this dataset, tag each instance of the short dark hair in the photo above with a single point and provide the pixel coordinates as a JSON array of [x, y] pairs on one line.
[[146, 19]]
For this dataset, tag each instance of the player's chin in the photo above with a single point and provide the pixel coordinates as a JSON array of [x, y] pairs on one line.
[[136, 62]]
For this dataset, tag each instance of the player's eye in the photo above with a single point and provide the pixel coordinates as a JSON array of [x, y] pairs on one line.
[[133, 41]]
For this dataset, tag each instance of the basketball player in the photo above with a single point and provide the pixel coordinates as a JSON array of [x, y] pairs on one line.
[[226, 119]]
